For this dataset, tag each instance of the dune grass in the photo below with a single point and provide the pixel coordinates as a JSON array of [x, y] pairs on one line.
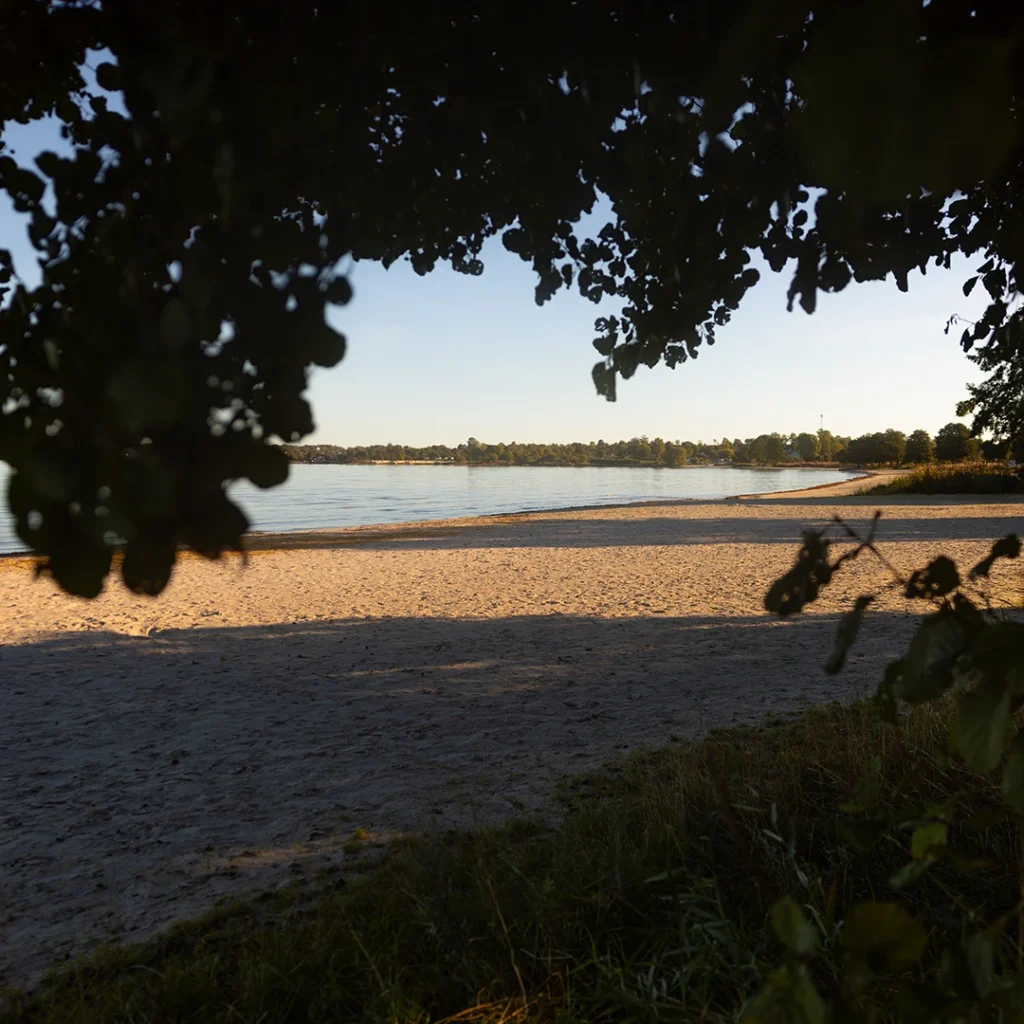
[[954, 478], [645, 900]]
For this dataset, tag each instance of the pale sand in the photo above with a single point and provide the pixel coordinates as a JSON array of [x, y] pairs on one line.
[[156, 754], [845, 488]]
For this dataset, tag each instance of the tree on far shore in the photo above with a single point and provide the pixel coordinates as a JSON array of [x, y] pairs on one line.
[[825, 445], [920, 448], [757, 450], [951, 442], [808, 447], [893, 447], [776, 450], [674, 455], [767, 450]]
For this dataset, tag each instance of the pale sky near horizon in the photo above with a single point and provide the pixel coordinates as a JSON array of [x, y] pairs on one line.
[[434, 360]]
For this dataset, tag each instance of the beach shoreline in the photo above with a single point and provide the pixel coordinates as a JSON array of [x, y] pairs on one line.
[[264, 539], [260, 540]]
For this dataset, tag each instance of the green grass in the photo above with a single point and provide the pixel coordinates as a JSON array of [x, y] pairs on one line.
[[954, 478], [648, 902]]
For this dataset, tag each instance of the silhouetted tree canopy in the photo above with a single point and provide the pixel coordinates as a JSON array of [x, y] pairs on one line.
[[192, 246]]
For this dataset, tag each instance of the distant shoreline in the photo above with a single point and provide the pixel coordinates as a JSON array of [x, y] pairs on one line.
[[606, 464]]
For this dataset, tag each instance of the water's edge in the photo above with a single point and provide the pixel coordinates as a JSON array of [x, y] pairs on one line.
[[333, 497]]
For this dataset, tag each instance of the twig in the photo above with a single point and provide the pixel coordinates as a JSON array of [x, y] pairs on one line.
[[867, 543]]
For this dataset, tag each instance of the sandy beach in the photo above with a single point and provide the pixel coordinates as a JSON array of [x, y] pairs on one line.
[[230, 735]]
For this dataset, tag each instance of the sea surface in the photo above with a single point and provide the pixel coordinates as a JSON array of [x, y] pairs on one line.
[[324, 496]]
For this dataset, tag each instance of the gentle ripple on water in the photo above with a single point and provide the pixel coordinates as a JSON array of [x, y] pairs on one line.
[[324, 496]]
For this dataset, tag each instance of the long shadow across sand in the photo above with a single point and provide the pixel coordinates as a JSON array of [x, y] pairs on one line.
[[144, 776]]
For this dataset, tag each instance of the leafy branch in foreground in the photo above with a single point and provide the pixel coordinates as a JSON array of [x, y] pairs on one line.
[[962, 647], [193, 206]]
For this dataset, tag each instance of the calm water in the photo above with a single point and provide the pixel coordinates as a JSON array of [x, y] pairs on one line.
[[321, 496]]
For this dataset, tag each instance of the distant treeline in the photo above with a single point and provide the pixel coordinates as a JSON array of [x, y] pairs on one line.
[[890, 447]]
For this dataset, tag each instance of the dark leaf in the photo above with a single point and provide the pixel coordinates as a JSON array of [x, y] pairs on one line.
[[267, 466], [884, 936], [147, 566], [926, 838], [846, 633], [79, 568], [938, 578], [108, 76], [803, 582], [604, 381], [1007, 547], [339, 291], [911, 872], [885, 697], [515, 240], [982, 726], [326, 346], [793, 928], [788, 996], [995, 282], [20, 182], [927, 671], [48, 163], [215, 528], [979, 951]]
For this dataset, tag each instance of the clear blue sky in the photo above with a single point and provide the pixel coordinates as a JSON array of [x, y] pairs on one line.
[[437, 359], [440, 358]]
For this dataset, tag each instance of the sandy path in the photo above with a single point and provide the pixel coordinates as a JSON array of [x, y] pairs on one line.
[[154, 754], [844, 488]]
